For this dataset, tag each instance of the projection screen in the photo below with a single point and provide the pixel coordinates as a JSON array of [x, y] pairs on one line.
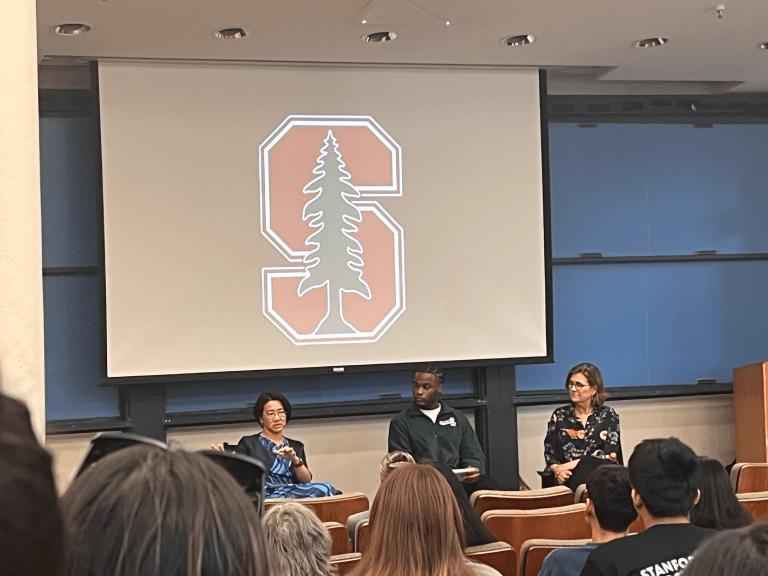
[[261, 218]]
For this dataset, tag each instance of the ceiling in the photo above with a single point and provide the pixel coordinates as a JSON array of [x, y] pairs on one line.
[[586, 45]]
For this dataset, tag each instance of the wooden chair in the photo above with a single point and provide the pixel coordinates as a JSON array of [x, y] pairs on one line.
[[498, 555], [344, 563], [533, 553], [484, 500], [749, 477], [339, 538], [331, 508], [517, 526], [361, 533], [756, 504], [581, 494]]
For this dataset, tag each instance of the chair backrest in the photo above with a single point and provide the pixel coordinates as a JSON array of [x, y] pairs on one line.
[[339, 538], [749, 477], [344, 563], [331, 508], [498, 555], [581, 494], [533, 553], [756, 504], [484, 500], [361, 533], [517, 526]]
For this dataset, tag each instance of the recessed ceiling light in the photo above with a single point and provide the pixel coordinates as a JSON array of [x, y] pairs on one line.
[[651, 42], [379, 37], [231, 33], [763, 46], [519, 40], [71, 29]]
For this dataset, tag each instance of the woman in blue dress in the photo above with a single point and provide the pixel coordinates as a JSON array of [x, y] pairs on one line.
[[288, 475]]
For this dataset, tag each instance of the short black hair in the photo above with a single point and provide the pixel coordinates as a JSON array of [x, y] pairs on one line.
[[743, 552], [611, 495], [666, 473], [476, 533], [258, 408]]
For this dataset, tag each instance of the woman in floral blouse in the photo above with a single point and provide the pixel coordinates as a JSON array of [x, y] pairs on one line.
[[583, 428]]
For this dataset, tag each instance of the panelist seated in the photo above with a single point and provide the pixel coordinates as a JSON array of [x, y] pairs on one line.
[[429, 429], [584, 433], [288, 475]]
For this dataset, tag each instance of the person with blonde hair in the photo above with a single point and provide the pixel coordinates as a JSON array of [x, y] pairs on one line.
[[149, 511], [416, 528], [297, 542]]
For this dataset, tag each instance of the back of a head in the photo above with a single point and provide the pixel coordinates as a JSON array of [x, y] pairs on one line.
[[611, 496], [666, 474], [415, 527], [30, 524], [718, 506], [742, 552], [475, 532], [394, 460], [297, 542], [149, 511]]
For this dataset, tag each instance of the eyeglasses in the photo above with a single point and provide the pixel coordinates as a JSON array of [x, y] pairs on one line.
[[578, 386], [280, 414]]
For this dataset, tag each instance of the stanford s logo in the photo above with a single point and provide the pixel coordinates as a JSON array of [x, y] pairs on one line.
[[344, 280]]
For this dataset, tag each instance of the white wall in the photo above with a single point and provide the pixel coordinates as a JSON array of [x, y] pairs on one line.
[[705, 423]]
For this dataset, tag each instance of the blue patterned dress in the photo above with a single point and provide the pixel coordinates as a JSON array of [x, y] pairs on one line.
[[280, 480]]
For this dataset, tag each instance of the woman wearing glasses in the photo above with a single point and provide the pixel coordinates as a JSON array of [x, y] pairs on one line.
[[288, 474], [584, 433]]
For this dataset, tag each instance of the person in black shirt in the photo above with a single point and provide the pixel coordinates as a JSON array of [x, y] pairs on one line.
[[665, 476]]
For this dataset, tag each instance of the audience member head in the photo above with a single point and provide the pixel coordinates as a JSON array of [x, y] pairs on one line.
[[611, 496], [594, 378], [718, 506], [392, 461], [149, 511], [30, 523], [264, 397], [742, 552], [415, 527], [475, 532], [297, 542], [665, 473]]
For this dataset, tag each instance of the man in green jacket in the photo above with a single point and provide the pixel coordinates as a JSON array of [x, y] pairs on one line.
[[431, 430]]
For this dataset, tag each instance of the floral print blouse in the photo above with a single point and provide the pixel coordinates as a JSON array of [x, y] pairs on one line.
[[567, 439]]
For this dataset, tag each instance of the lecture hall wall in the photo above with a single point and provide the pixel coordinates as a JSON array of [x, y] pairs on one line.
[[621, 190]]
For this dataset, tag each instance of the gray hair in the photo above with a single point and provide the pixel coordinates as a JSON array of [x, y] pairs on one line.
[[297, 542]]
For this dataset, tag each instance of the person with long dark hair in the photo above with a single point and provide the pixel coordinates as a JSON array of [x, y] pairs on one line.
[[718, 506], [475, 532]]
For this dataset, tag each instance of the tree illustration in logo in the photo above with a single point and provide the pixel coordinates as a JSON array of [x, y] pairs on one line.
[[336, 258]]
